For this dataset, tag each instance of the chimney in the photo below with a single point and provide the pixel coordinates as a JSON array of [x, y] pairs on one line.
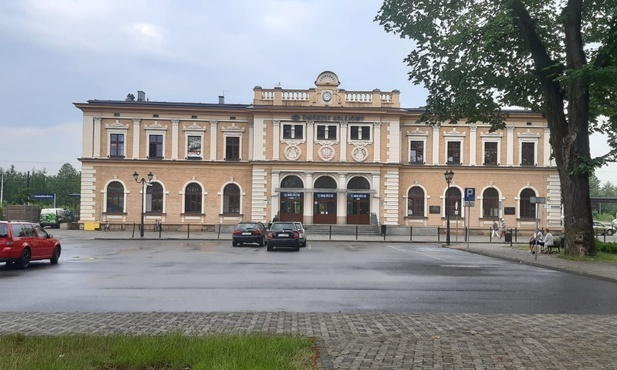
[[221, 99], [141, 96]]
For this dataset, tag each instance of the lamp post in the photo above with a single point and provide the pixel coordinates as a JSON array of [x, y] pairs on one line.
[[448, 175], [143, 183]]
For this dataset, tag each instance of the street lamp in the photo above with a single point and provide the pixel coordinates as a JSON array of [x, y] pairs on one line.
[[144, 183], [448, 175]]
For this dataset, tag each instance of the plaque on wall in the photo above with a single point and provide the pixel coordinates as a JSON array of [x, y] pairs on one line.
[[509, 211], [434, 209]]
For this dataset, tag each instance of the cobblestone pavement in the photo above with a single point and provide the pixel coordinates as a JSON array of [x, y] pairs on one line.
[[377, 340], [388, 340]]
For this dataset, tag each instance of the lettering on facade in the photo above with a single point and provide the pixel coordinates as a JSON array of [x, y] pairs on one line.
[[325, 195], [291, 195], [357, 196], [325, 117]]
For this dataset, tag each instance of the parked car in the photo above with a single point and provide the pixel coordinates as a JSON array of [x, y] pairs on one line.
[[302, 232], [249, 232], [53, 217], [614, 223], [22, 242], [283, 235], [600, 228]]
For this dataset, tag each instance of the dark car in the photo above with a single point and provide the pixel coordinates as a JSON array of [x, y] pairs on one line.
[[249, 232], [283, 235], [22, 242]]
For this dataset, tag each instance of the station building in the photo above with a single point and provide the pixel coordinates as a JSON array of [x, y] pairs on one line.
[[320, 155]]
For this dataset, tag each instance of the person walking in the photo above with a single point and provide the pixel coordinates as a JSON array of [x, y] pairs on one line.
[[495, 230], [502, 229]]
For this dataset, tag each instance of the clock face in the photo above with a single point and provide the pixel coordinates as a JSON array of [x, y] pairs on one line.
[[327, 96]]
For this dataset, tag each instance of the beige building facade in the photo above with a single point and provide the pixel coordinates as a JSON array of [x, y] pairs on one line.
[[321, 155]]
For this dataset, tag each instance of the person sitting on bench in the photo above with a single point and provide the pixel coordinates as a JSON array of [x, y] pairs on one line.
[[548, 241]]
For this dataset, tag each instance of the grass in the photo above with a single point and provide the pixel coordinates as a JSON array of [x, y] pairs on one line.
[[599, 257], [164, 352]]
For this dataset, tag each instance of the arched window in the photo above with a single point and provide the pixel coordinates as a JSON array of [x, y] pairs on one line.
[[358, 183], [415, 202], [292, 182], [115, 197], [325, 182], [192, 198], [231, 199], [490, 203], [453, 198], [527, 209], [154, 198]]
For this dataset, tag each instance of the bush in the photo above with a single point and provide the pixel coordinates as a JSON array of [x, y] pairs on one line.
[[608, 247]]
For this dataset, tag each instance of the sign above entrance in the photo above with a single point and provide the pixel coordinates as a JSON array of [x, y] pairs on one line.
[[291, 195], [358, 196], [325, 117], [325, 195]]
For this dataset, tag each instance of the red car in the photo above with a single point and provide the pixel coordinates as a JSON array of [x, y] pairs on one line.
[[22, 242]]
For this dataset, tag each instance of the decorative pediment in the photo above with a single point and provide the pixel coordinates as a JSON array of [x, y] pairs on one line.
[[454, 133], [417, 132], [233, 128], [194, 127], [491, 134], [117, 126], [156, 126], [529, 134]]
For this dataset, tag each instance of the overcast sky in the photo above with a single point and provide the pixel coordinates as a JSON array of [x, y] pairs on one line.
[[59, 52]]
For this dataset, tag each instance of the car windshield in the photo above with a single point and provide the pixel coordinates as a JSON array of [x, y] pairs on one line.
[[281, 227]]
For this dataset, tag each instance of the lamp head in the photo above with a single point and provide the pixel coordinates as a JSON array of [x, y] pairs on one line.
[[136, 176], [449, 175], [150, 176]]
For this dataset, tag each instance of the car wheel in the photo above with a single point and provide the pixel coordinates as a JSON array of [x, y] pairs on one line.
[[261, 242], [269, 248], [303, 244], [297, 249], [609, 232], [56, 256], [235, 244], [24, 260]]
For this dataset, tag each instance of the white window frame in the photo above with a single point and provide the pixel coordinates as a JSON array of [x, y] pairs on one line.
[[326, 125], [412, 139], [293, 131], [461, 141], [361, 126], [535, 151], [484, 141]]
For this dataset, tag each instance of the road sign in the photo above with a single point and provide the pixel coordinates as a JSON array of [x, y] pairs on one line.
[[43, 196], [470, 194], [469, 204]]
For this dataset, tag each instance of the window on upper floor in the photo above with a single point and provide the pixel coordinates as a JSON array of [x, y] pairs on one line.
[[115, 197], [116, 145], [155, 147], [415, 202], [360, 133], [490, 152], [416, 152], [154, 198], [192, 198], [326, 132], [528, 154], [454, 152], [193, 147], [293, 131], [232, 148], [231, 199]]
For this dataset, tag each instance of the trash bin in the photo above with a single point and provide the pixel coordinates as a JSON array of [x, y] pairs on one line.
[[383, 229], [508, 236]]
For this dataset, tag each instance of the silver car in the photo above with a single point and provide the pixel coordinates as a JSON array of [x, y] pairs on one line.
[[302, 232]]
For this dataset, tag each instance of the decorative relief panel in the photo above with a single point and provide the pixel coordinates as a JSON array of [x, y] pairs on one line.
[[292, 153], [326, 153], [156, 126], [117, 125], [359, 153], [193, 127]]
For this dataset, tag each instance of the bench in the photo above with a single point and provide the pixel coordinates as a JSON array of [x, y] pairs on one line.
[[556, 244]]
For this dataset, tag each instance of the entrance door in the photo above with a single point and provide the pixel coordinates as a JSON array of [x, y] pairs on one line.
[[292, 207], [324, 211], [358, 209]]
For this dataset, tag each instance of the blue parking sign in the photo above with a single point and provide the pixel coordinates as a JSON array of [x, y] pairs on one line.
[[470, 194]]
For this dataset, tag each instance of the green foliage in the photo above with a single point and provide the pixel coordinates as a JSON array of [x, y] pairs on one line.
[[20, 186], [606, 247]]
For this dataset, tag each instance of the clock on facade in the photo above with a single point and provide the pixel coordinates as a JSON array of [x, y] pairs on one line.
[[327, 96]]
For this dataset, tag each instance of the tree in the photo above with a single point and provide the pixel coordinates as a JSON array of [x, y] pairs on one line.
[[557, 58]]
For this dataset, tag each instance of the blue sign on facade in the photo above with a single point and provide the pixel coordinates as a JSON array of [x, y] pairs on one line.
[[470, 194], [325, 195], [357, 196], [43, 196], [291, 195]]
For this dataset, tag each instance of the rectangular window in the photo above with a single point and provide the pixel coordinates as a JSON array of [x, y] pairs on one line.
[[490, 153], [527, 154], [454, 152], [155, 148], [116, 145], [293, 132], [360, 133], [232, 148], [326, 132], [193, 147], [416, 152]]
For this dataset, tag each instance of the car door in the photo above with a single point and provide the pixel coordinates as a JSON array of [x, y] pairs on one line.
[[33, 241], [46, 245]]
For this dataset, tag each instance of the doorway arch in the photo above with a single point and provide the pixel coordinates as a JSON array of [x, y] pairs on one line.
[[324, 200], [292, 199], [358, 201]]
